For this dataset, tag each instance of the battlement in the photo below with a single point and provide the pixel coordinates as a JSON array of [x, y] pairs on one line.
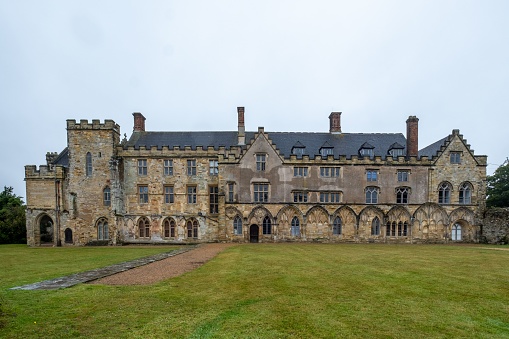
[[95, 125], [44, 172]]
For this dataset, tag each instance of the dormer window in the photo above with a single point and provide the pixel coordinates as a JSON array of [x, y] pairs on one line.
[[298, 149], [366, 150], [326, 150], [396, 150]]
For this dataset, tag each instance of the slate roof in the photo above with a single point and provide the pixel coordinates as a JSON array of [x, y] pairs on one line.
[[346, 144], [431, 150], [63, 158]]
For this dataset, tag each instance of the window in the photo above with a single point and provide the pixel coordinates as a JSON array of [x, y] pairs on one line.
[[456, 232], [191, 194], [168, 167], [237, 226], [366, 152], [299, 151], [371, 195], [261, 192], [403, 176], [295, 228], [142, 167], [106, 196], [455, 157], [144, 228], [300, 171], [213, 167], [88, 165], [260, 162], [214, 199], [337, 226], [401, 228], [102, 229], [391, 229], [143, 194], [372, 175], [266, 226], [168, 195], [395, 152], [300, 196], [192, 228], [444, 193], [375, 226], [330, 171], [465, 194], [169, 228], [402, 195], [330, 197], [231, 192], [326, 151], [191, 167], [324, 197]]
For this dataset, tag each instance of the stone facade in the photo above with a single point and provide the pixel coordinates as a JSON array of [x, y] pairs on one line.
[[188, 187], [495, 226]]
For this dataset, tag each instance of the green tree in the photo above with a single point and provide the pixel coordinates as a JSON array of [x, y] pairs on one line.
[[498, 187], [12, 218]]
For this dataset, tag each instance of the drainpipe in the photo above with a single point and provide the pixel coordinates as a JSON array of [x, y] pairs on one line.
[[57, 213]]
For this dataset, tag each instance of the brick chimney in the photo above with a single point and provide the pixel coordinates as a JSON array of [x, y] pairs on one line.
[[139, 122], [335, 122], [242, 129], [412, 136]]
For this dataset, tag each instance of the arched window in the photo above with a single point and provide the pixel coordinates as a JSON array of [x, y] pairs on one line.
[[88, 166], [295, 230], [391, 229], [402, 195], [371, 195], [456, 232], [107, 196], [169, 228], [444, 193], [337, 226], [192, 228], [267, 226], [102, 229], [237, 226], [144, 227], [465, 193], [375, 226], [68, 236]]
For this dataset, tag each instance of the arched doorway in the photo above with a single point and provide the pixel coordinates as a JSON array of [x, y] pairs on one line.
[[68, 236], [456, 232], [253, 233], [46, 229]]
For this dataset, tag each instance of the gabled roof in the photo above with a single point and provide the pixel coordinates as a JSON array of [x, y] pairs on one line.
[[431, 150], [63, 158]]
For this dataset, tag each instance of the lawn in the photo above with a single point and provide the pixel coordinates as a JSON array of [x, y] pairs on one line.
[[270, 291]]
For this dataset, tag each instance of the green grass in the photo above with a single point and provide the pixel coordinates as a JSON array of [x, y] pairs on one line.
[[275, 291]]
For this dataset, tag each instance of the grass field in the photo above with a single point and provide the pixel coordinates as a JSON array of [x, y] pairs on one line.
[[268, 291]]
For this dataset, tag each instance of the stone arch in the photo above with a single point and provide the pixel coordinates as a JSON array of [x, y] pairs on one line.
[[45, 228], [169, 228], [464, 218], [399, 213], [284, 219], [366, 217], [231, 214], [258, 214], [430, 222], [317, 225], [143, 227], [348, 220], [102, 228]]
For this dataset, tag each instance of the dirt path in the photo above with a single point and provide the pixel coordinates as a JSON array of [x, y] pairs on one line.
[[166, 268]]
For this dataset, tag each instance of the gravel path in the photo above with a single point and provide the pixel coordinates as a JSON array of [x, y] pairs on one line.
[[166, 268]]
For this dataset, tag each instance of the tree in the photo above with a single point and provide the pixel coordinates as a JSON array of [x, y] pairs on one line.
[[12, 218], [498, 187]]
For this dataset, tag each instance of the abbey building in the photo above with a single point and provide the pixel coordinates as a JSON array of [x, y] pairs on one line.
[[258, 186]]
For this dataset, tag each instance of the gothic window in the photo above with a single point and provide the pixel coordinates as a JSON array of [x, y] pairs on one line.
[[375, 226], [295, 228], [144, 227], [371, 195], [267, 226], [456, 232], [169, 197], [444, 193], [142, 166], [213, 167], [260, 162], [391, 229], [300, 196], [402, 195], [213, 199], [102, 229], [403, 176], [372, 175], [168, 167], [88, 166], [191, 167], [192, 228], [169, 228], [191, 194], [107, 196], [337, 226], [455, 157], [237, 225], [465, 194], [261, 192], [300, 171], [143, 194]]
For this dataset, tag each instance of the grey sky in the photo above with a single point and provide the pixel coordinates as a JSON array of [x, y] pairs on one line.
[[187, 65]]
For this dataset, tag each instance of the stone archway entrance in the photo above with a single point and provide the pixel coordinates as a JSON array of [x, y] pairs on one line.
[[68, 236], [46, 229], [254, 230]]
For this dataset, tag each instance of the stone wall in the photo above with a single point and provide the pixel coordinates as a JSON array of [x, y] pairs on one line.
[[495, 226]]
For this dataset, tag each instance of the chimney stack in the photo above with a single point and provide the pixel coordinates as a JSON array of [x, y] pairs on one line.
[[241, 126], [412, 136], [335, 122], [139, 122]]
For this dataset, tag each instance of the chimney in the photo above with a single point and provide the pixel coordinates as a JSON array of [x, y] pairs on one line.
[[335, 122], [139, 122], [412, 136], [242, 129]]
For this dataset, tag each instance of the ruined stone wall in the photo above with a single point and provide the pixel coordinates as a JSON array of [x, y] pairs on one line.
[[495, 226]]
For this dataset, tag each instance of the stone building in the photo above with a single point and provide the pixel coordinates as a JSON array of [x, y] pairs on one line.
[[241, 186]]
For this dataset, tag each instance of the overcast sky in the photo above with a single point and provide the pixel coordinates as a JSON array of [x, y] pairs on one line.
[[187, 65]]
